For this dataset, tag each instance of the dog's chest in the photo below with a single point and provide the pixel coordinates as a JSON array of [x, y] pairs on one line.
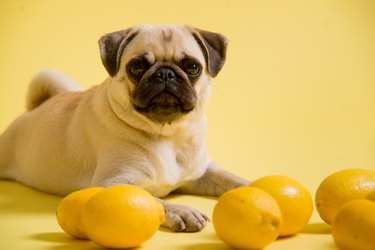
[[175, 164]]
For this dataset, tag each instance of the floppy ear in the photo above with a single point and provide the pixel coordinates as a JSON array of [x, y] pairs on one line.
[[214, 47], [111, 47]]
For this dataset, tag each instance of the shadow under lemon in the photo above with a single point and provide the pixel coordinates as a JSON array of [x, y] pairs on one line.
[[65, 242], [316, 228]]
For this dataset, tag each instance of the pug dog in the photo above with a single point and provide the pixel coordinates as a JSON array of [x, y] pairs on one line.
[[144, 125]]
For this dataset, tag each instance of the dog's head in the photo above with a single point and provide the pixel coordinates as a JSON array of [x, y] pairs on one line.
[[162, 72]]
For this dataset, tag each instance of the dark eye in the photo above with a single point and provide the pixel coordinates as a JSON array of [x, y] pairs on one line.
[[137, 67], [191, 67]]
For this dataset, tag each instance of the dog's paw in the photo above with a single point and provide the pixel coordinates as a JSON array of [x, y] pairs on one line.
[[180, 218]]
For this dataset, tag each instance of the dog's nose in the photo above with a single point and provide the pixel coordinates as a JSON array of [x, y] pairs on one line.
[[165, 74]]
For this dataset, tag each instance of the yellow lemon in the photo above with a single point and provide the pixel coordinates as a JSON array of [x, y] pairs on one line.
[[247, 218], [341, 187], [122, 217], [69, 211], [354, 225], [371, 195], [294, 199]]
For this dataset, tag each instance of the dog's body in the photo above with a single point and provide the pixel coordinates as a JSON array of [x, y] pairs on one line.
[[142, 126], [75, 140]]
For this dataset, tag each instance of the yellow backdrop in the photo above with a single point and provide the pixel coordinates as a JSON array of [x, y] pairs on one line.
[[295, 97]]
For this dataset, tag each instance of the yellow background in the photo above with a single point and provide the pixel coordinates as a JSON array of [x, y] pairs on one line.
[[295, 97]]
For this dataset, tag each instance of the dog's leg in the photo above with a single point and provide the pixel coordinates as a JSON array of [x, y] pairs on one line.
[[179, 218], [182, 218], [213, 183]]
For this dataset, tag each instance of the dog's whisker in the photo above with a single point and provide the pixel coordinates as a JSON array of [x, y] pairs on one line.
[[216, 89], [161, 131], [170, 125], [199, 107]]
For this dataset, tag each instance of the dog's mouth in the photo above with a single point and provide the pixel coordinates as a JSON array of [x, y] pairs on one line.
[[164, 99], [165, 107]]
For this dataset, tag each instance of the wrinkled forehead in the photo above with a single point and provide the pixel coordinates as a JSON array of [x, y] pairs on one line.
[[163, 43]]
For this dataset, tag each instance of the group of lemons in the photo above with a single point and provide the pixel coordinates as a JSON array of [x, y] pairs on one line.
[[278, 206], [117, 217], [248, 217]]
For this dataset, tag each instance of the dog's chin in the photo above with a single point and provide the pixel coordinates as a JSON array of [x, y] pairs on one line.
[[165, 108]]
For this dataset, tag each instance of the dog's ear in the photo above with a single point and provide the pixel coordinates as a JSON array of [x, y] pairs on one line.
[[111, 47], [214, 47]]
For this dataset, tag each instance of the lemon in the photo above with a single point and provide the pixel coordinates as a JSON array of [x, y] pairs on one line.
[[341, 187], [247, 218], [353, 227], [294, 199], [69, 211], [122, 217]]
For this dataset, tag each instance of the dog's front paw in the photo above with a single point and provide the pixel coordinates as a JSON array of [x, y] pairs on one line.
[[182, 218]]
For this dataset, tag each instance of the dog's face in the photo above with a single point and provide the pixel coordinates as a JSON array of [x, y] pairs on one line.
[[162, 72]]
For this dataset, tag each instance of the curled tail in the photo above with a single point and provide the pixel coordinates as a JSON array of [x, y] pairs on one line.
[[47, 84]]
